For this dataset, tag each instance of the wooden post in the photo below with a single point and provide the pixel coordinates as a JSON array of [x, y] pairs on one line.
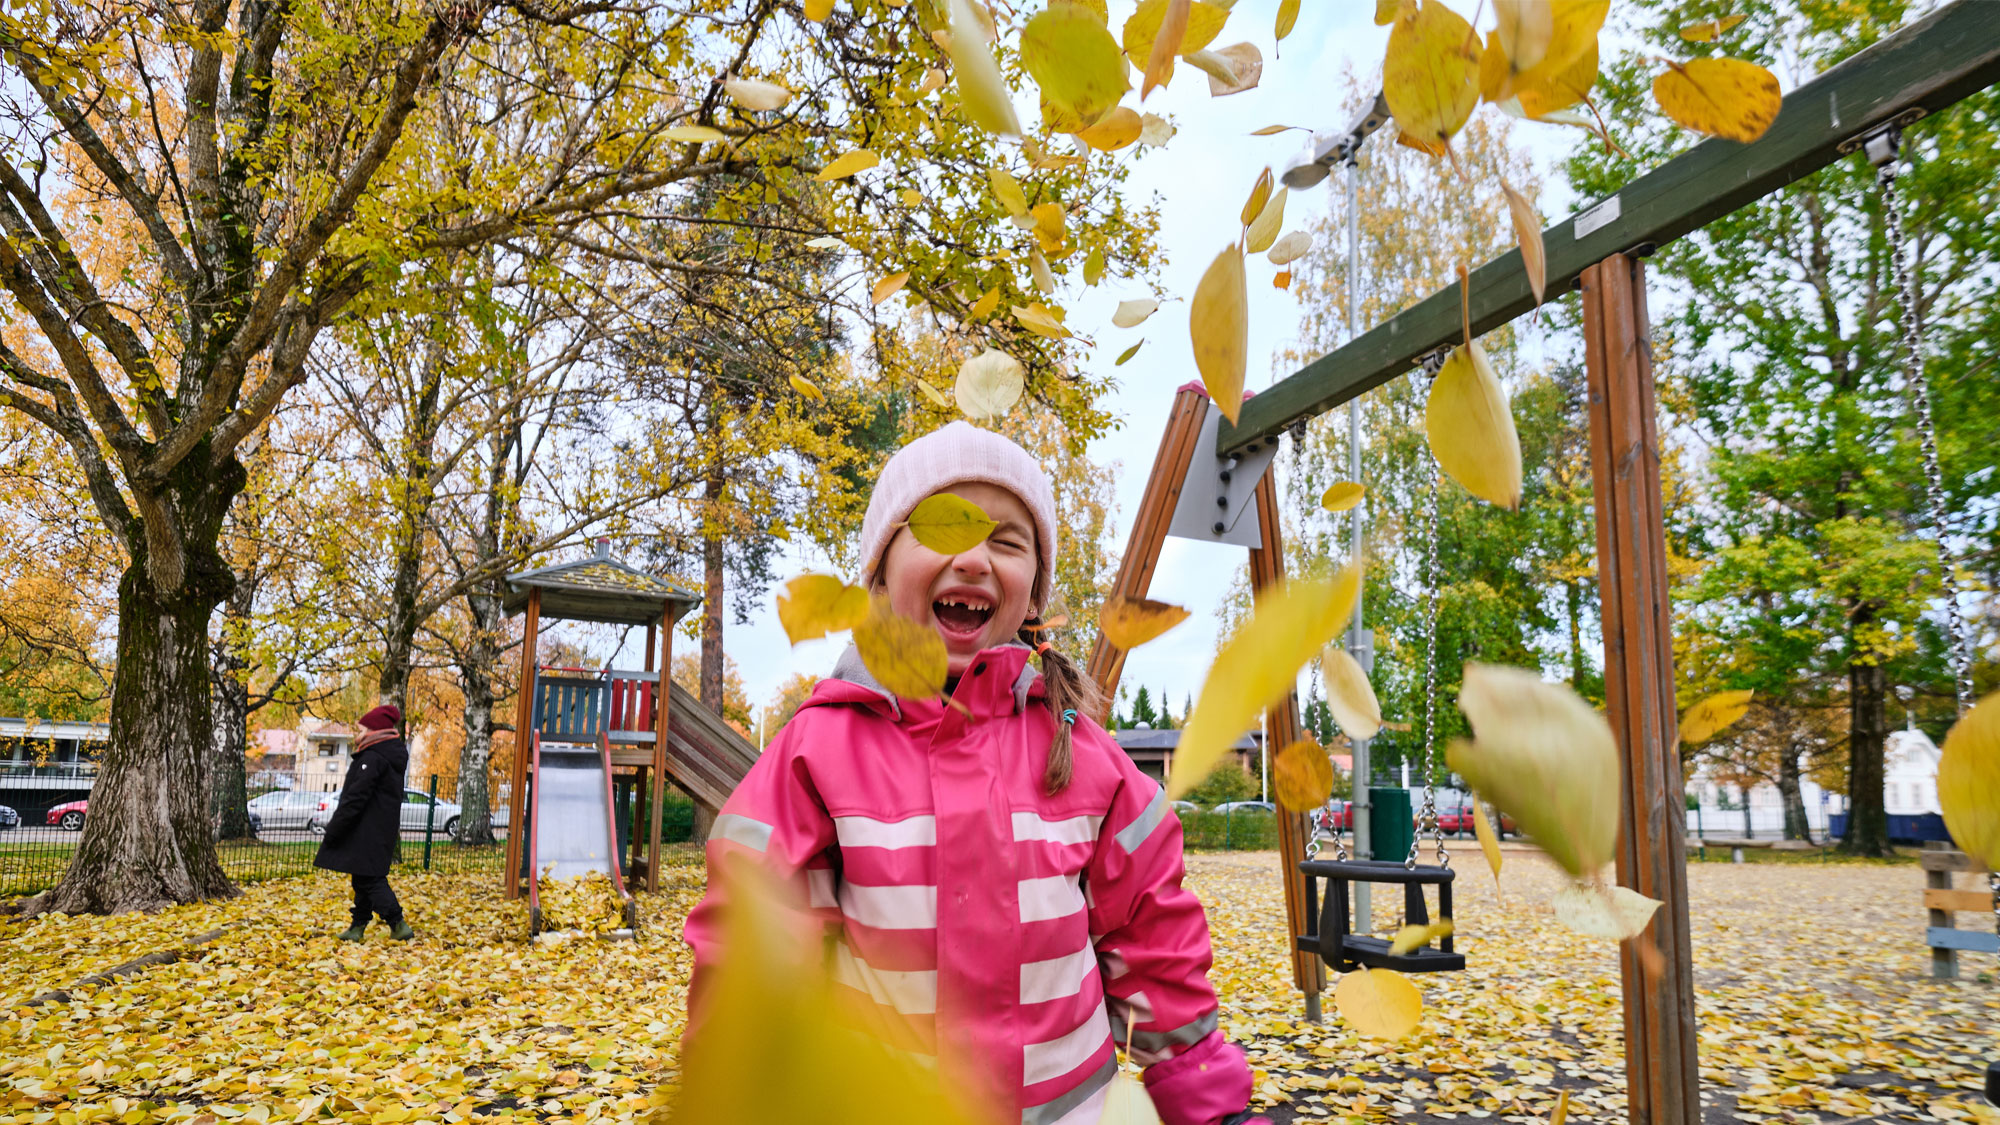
[[524, 735], [1663, 1087], [1282, 726], [1149, 527], [1944, 960], [661, 708]]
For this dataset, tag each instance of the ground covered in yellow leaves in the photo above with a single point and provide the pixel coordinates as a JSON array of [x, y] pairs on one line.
[[1816, 1005]]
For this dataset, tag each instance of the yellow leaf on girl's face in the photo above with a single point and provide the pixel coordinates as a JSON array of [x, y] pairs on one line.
[[1219, 322], [1260, 194], [752, 94], [1304, 775], [818, 10], [1343, 495], [805, 387], [1128, 353], [949, 524], [1431, 75], [989, 384], [1595, 910], [1544, 757], [982, 92], [1349, 695], [1264, 231], [1075, 61], [1968, 782], [984, 306], [694, 133], [1488, 842], [1131, 314], [813, 605], [936, 396], [1258, 665], [1128, 1103], [1128, 623], [1709, 30], [1703, 720], [1118, 129], [1411, 937], [907, 658], [1471, 429], [887, 287], [1288, 15], [1290, 247], [1528, 233], [1721, 97], [1378, 1003], [1173, 28], [846, 165]]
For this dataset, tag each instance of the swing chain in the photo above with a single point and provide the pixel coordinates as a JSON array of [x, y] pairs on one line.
[[1884, 152], [1432, 363]]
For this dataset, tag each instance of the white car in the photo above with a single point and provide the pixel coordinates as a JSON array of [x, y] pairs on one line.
[[286, 808], [416, 814]]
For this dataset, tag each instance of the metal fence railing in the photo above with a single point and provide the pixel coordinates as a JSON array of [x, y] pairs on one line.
[[289, 819]]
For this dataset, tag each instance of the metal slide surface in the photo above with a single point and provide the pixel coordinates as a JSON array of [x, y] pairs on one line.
[[573, 817]]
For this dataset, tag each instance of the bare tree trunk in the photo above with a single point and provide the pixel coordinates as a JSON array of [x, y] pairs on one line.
[[1868, 733], [230, 785]]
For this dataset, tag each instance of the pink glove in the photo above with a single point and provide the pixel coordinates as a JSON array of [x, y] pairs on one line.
[[1207, 1084]]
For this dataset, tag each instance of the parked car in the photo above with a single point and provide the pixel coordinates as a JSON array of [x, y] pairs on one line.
[[1246, 806], [1457, 817], [1186, 807], [416, 814], [285, 808], [9, 818], [1337, 815], [69, 815]]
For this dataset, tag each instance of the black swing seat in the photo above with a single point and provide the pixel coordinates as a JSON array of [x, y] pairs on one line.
[[1330, 920]]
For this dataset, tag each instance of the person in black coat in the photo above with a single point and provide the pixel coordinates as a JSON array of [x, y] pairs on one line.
[[362, 833]]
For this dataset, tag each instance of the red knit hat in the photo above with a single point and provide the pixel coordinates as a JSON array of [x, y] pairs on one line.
[[384, 717]]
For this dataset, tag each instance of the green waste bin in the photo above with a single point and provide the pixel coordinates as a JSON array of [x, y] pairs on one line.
[[1389, 822]]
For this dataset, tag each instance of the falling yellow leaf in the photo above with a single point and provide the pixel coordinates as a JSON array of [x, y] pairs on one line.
[[1260, 194], [1290, 247], [846, 165], [1528, 233], [1282, 279], [1219, 322], [1204, 23], [1431, 75], [1038, 266], [1231, 70], [936, 396], [933, 80], [805, 387], [1349, 695], [1343, 495], [981, 90], [818, 10], [1128, 1103], [1167, 42], [887, 287], [753, 94], [1037, 318], [1128, 623], [1288, 15], [1574, 26], [1543, 99], [949, 524], [911, 197], [1128, 353], [1594, 910], [1304, 775], [825, 242], [1274, 130], [1703, 720], [694, 134], [1708, 31], [1378, 1003], [1155, 130], [1050, 225], [1561, 1114], [1544, 757], [1412, 937], [1524, 28], [1471, 429], [1389, 11], [1131, 314], [984, 306], [1721, 97], [1117, 129], [1269, 222], [1093, 266], [989, 384], [813, 605], [1075, 61], [1257, 666], [907, 658], [1489, 842], [1968, 782]]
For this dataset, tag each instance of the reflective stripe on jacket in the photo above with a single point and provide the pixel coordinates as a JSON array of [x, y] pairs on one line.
[[982, 918]]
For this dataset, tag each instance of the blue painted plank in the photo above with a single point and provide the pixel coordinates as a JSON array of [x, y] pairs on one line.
[[1976, 941]]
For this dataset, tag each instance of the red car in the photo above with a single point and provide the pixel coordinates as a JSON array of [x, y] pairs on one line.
[[69, 815], [1458, 818]]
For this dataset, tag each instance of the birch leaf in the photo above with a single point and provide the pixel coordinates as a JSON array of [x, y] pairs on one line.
[[1282, 279], [1038, 319], [1720, 97], [984, 306], [982, 92], [1204, 23], [1219, 322], [906, 657], [1075, 61], [1574, 27], [1264, 232], [1260, 194], [1343, 495], [1288, 16], [1274, 130], [989, 384], [847, 164], [1431, 75], [933, 80], [1045, 279], [1166, 44], [1258, 665], [1133, 313], [1304, 775], [1489, 842], [1231, 70], [1290, 247], [1415, 937], [1093, 266], [936, 396], [1128, 1103], [1378, 1003], [1128, 353], [1008, 191], [1968, 782], [805, 387], [813, 605], [825, 242], [887, 287], [1524, 28], [1349, 695], [818, 10], [1117, 129], [1471, 429], [694, 134], [1155, 130], [1594, 910], [1051, 225], [753, 94], [1528, 233], [1560, 1115], [1128, 623], [949, 524], [1389, 11], [1708, 31], [1541, 100], [1703, 720]]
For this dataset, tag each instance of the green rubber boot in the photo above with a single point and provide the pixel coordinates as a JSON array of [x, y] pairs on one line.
[[353, 933], [402, 932]]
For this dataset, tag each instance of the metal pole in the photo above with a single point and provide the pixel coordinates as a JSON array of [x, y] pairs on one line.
[[1363, 652], [430, 818]]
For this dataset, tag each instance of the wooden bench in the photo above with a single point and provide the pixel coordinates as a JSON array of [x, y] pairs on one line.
[[1942, 900], [1736, 844]]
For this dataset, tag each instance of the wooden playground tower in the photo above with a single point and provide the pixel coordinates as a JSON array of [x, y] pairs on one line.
[[1209, 475], [648, 737]]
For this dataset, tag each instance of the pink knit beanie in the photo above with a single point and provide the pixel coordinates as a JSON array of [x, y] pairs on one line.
[[957, 454]]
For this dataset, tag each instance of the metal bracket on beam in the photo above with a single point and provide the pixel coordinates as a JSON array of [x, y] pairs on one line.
[[1218, 504], [1884, 141], [1329, 152], [1433, 361]]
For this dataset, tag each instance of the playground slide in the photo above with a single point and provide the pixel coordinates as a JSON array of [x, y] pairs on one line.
[[571, 830]]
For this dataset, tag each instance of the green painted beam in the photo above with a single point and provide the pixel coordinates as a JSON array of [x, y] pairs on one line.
[[1932, 64]]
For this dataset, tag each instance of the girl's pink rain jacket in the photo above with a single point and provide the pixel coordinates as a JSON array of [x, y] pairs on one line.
[[980, 918]]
